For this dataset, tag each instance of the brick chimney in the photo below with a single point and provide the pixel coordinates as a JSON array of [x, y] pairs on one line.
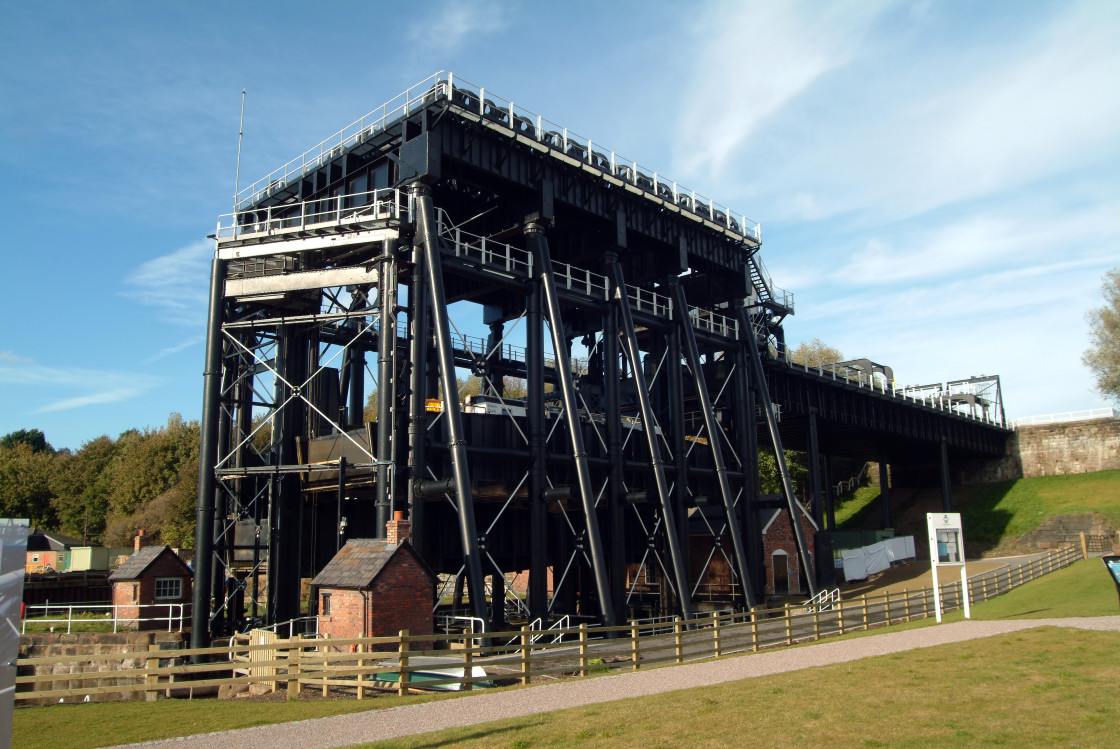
[[140, 541], [397, 529]]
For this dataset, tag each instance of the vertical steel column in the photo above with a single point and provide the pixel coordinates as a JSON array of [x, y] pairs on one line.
[[677, 431], [419, 338], [692, 354], [284, 511], [814, 468], [339, 540], [357, 388], [386, 366], [538, 515], [946, 503], [884, 491], [612, 386], [472, 560], [780, 455], [202, 596], [542, 261], [622, 300], [829, 499], [748, 449]]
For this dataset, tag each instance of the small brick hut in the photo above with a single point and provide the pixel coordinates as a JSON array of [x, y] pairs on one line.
[[375, 588], [148, 584], [779, 550]]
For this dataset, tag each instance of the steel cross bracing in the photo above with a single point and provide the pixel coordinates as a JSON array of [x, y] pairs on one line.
[[348, 271]]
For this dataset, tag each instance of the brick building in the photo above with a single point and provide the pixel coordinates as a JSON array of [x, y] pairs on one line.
[[149, 585], [779, 551], [375, 588]]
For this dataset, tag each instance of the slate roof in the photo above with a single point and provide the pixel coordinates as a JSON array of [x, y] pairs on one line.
[[135, 565], [361, 560], [41, 540]]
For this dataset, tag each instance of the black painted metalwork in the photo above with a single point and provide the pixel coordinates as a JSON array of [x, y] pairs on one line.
[[384, 245]]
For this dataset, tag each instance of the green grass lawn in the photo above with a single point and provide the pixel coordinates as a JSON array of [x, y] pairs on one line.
[[1047, 687], [1053, 662]]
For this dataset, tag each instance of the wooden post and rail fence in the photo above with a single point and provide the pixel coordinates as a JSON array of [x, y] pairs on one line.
[[389, 664]]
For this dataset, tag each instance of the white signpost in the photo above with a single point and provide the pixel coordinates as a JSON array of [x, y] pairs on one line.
[[946, 548]]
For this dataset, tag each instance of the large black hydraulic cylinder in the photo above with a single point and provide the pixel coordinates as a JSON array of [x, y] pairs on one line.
[[202, 595], [471, 554]]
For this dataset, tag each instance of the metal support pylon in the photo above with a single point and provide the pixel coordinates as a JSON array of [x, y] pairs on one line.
[[692, 354], [783, 468], [621, 300], [536, 239], [425, 228]]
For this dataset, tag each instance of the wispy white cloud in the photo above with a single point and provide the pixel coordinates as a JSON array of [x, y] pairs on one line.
[[171, 350], [982, 241], [68, 388], [908, 127], [449, 25], [750, 64], [174, 284]]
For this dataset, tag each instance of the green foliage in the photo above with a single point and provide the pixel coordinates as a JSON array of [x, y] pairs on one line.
[[25, 477], [771, 480], [80, 485], [155, 478], [1103, 355], [33, 438], [108, 489]]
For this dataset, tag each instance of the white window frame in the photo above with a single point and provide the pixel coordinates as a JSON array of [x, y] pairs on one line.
[[176, 582]]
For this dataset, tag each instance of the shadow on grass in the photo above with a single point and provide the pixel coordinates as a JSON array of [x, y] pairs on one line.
[[984, 522], [491, 735]]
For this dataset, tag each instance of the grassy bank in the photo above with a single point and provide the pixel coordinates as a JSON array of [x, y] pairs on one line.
[[995, 515]]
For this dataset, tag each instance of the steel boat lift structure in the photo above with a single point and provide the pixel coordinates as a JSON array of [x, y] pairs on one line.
[[637, 314]]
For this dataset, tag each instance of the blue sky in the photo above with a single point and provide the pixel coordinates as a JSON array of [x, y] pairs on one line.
[[937, 182]]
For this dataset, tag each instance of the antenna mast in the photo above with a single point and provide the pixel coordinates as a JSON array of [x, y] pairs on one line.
[[240, 131]]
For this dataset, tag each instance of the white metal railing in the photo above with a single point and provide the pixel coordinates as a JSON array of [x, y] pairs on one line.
[[175, 615], [341, 210], [356, 132], [931, 396], [579, 280], [1083, 415], [651, 302], [825, 600], [703, 319], [561, 141], [301, 625], [567, 144], [478, 626]]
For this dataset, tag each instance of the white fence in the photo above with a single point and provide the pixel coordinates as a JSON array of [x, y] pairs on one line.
[[1085, 415], [55, 616]]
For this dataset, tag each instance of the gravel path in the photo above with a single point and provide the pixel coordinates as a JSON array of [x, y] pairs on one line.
[[356, 728]]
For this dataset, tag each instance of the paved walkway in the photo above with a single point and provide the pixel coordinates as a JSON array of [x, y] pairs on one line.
[[486, 706]]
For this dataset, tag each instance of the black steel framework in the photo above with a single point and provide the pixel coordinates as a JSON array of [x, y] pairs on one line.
[[364, 264]]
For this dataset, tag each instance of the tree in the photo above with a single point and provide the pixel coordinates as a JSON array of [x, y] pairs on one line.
[[815, 353], [33, 438], [25, 478], [1103, 356], [81, 484]]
